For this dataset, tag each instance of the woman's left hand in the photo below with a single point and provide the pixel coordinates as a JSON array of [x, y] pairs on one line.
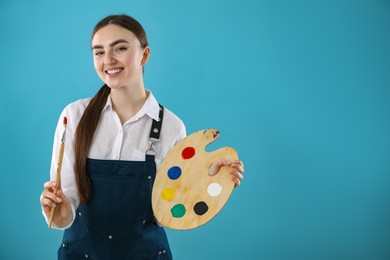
[[237, 169]]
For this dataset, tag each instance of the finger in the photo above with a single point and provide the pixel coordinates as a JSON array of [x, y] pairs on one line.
[[50, 185], [47, 202], [238, 165], [222, 162], [236, 174], [217, 164], [47, 195], [237, 182], [239, 162], [65, 201]]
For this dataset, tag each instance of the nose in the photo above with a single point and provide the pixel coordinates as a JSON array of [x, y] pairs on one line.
[[109, 58]]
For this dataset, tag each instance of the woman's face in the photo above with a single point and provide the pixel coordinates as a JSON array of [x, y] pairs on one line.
[[118, 56]]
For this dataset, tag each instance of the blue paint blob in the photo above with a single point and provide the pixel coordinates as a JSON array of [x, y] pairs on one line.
[[174, 172]]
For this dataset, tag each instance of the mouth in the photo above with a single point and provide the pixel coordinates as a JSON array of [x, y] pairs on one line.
[[113, 72]]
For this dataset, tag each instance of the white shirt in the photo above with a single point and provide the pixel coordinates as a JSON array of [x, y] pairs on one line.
[[112, 140]]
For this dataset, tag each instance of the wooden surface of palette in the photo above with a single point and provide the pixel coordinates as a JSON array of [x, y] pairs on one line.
[[184, 195]]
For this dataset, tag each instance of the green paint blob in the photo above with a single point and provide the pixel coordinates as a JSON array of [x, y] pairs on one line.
[[178, 211]]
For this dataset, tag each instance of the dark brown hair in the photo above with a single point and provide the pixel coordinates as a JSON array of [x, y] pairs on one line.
[[90, 119]]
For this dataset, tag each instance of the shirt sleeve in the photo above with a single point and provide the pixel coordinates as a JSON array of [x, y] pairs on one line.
[[182, 133], [68, 183]]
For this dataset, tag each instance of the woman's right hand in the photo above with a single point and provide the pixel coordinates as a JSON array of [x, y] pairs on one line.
[[63, 211]]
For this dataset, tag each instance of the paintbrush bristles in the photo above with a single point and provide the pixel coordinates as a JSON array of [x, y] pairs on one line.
[[65, 121]]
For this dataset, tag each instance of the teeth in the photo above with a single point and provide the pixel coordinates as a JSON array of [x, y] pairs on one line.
[[113, 71]]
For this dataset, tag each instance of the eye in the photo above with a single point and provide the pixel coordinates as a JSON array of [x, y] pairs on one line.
[[98, 53], [120, 49]]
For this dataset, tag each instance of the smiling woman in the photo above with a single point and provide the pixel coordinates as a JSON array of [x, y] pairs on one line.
[[104, 198], [119, 62]]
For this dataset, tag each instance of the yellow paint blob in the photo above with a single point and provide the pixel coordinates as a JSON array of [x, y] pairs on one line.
[[168, 194]]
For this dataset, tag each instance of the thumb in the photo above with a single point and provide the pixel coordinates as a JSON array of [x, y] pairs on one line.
[[217, 164]]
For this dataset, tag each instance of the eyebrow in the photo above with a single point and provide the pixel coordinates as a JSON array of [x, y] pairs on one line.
[[111, 44]]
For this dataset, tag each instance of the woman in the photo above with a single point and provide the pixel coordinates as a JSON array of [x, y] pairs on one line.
[[104, 202]]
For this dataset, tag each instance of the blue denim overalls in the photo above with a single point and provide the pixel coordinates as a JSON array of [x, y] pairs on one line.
[[118, 222]]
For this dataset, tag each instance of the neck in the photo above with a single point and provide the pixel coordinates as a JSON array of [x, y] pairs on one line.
[[127, 102]]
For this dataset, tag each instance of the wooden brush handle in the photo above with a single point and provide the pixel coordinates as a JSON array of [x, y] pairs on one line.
[[58, 180]]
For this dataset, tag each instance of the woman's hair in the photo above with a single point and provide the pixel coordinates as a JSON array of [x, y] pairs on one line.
[[90, 119], [126, 22]]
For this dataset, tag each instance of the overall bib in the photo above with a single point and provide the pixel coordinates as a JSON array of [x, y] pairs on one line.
[[118, 222]]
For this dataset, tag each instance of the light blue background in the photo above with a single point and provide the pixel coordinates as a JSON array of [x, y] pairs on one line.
[[299, 88]]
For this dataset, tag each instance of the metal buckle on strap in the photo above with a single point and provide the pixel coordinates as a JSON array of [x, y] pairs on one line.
[[155, 130], [152, 142]]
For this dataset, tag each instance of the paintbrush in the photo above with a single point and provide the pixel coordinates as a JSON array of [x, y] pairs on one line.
[[59, 166]]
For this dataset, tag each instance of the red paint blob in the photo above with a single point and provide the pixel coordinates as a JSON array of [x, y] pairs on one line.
[[188, 152]]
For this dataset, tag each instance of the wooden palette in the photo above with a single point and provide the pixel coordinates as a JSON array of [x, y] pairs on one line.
[[184, 195]]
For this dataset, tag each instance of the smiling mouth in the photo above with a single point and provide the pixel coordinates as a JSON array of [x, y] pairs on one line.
[[113, 71]]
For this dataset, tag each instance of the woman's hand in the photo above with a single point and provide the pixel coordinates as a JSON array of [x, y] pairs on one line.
[[63, 213], [237, 169]]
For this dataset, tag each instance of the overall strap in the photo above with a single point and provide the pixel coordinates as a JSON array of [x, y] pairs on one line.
[[155, 131]]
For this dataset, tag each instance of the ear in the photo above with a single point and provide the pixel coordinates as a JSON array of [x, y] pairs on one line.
[[146, 55]]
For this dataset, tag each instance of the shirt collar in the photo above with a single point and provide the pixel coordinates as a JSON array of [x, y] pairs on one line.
[[108, 104], [150, 108]]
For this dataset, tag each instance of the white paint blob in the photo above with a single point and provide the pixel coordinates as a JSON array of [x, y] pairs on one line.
[[214, 189]]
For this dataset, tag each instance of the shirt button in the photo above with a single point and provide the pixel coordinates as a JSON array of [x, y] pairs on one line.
[[149, 177], [159, 253], [164, 251], [86, 256], [109, 237]]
